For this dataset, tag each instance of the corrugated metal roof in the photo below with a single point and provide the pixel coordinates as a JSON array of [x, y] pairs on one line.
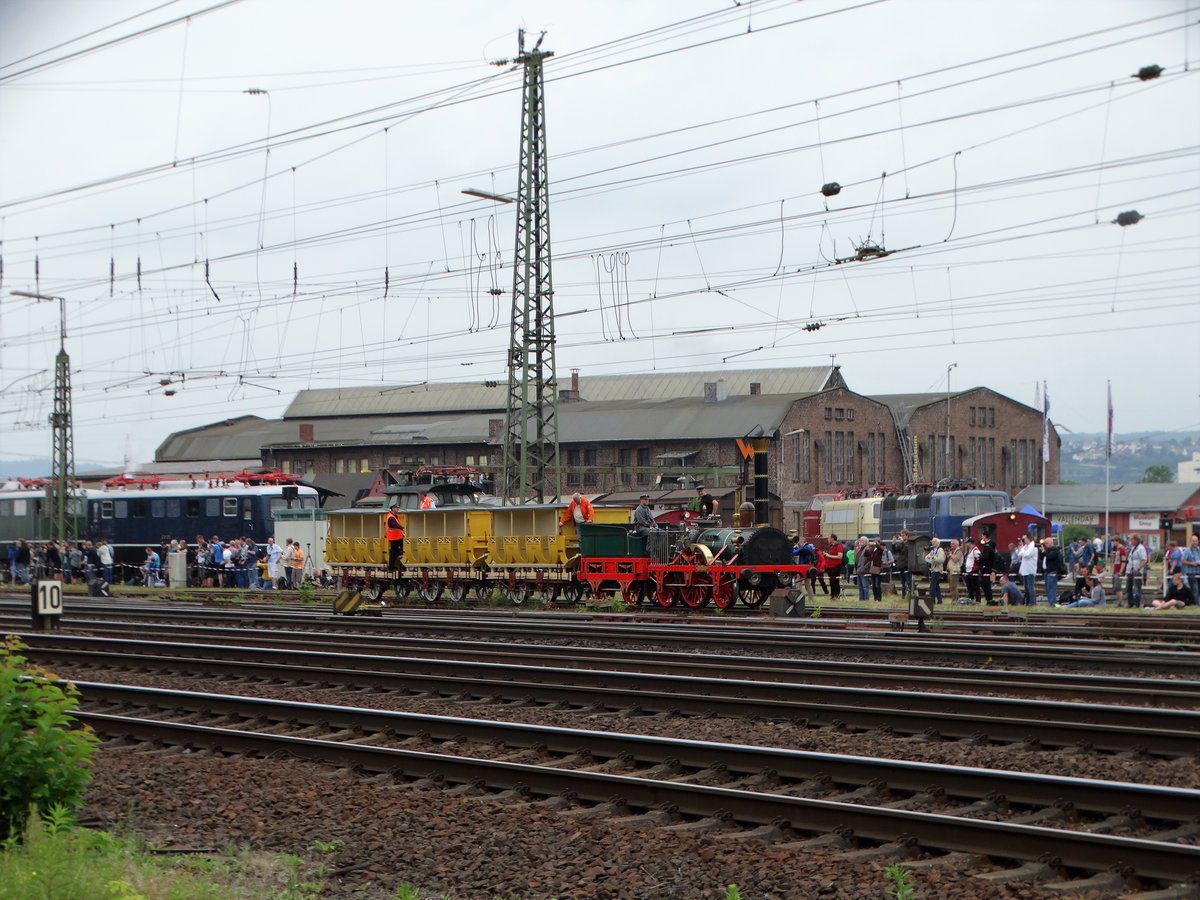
[[582, 422], [421, 398], [1147, 498]]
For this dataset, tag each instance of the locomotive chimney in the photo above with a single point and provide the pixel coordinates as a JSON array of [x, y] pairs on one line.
[[762, 497]]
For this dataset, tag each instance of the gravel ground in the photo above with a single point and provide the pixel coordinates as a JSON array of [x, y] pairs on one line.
[[452, 845]]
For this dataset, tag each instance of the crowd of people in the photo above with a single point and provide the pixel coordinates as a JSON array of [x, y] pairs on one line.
[[209, 562], [975, 571]]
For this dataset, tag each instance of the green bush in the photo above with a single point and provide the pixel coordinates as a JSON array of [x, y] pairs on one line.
[[44, 753]]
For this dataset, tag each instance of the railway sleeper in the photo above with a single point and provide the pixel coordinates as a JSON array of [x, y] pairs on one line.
[[1100, 881]]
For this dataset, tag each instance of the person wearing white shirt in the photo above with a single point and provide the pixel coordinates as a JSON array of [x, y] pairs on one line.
[[1027, 553]]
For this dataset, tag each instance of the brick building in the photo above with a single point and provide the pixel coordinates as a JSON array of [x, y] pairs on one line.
[[621, 435]]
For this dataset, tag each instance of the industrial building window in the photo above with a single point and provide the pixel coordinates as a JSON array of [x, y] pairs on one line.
[[572, 478], [229, 507], [589, 479], [839, 413], [469, 461], [849, 415], [991, 417], [971, 416], [871, 458], [805, 474], [882, 458], [828, 412], [827, 454], [991, 461], [483, 460], [572, 457], [795, 448], [589, 456], [339, 466], [839, 463], [971, 456], [624, 456], [851, 449]]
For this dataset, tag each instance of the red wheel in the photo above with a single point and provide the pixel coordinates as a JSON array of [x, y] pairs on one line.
[[723, 595], [668, 596], [633, 593], [697, 592]]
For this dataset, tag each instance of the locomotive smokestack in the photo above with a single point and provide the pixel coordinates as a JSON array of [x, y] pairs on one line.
[[762, 501]]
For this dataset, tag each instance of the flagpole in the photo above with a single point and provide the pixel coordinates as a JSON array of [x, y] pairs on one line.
[[1045, 441], [1108, 463]]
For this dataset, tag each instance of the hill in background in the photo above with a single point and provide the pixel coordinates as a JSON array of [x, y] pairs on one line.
[[1083, 454]]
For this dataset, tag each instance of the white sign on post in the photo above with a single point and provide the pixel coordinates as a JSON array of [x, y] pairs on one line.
[[49, 598]]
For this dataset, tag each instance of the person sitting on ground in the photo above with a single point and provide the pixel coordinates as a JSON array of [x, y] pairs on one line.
[[1179, 595], [1095, 597], [1010, 594]]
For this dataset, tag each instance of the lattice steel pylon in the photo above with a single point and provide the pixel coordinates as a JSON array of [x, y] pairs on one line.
[[61, 491], [531, 457]]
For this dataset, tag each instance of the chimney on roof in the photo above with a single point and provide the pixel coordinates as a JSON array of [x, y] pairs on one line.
[[755, 388], [495, 428], [571, 393], [306, 433]]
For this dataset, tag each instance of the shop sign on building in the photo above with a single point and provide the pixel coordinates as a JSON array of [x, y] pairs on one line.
[[1077, 518], [1143, 522]]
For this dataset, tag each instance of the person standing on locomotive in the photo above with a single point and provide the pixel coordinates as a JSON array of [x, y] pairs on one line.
[[394, 533], [709, 505], [427, 502], [643, 517], [579, 509]]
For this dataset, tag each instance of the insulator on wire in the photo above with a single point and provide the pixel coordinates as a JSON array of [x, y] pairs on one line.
[[814, 326], [832, 189], [1148, 73], [1129, 217], [295, 277], [112, 275]]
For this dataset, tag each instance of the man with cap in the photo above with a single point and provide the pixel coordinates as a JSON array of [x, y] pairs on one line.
[[643, 518], [394, 532]]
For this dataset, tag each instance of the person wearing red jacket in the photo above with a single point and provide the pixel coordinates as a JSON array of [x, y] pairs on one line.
[[579, 509]]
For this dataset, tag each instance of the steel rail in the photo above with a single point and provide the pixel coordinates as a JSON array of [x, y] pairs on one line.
[[782, 637], [1167, 732], [1091, 851], [1090, 795], [1093, 688]]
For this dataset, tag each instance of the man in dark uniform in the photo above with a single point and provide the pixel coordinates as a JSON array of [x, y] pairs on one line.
[[395, 535], [708, 503]]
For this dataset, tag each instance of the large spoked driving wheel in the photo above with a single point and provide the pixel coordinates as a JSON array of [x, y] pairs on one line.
[[697, 592], [724, 593], [668, 596]]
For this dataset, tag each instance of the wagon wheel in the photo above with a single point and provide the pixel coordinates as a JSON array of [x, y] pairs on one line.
[[456, 592], [403, 587], [516, 594], [431, 592], [572, 591], [548, 593], [697, 592], [634, 593], [375, 590]]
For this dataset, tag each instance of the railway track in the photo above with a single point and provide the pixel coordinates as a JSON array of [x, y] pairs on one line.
[[769, 637], [1094, 688], [1105, 835], [1166, 733]]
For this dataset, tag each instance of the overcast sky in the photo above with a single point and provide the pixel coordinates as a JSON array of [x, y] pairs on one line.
[[688, 145]]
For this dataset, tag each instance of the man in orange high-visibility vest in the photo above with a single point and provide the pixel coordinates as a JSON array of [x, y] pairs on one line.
[[394, 533]]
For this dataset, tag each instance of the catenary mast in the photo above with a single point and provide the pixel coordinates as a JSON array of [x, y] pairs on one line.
[[531, 456]]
